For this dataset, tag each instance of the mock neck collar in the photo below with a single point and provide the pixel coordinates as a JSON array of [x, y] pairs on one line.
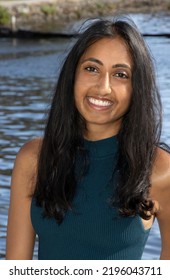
[[103, 147]]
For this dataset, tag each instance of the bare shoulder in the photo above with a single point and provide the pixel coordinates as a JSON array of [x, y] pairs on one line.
[[29, 152], [20, 233], [161, 168], [160, 193], [31, 148], [160, 179], [25, 166]]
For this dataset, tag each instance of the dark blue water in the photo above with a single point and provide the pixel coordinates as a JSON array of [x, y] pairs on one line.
[[28, 71]]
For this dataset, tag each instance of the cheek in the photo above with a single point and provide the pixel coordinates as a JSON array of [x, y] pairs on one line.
[[77, 85], [78, 95], [77, 92], [129, 91], [129, 95], [80, 89], [126, 92], [126, 99]]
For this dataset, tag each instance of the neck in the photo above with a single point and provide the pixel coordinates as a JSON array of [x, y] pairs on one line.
[[100, 132]]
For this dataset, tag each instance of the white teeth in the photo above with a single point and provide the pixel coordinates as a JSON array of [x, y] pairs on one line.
[[98, 102]]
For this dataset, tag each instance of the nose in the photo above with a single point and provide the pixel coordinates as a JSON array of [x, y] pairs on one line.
[[104, 85]]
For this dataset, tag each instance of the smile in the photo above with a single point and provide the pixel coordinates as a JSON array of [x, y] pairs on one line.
[[99, 102]]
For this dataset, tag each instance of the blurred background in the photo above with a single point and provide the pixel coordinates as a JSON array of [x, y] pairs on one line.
[[29, 69]]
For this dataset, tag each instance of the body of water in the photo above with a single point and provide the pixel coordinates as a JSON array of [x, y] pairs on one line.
[[28, 71]]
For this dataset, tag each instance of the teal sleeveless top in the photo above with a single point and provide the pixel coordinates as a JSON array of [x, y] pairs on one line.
[[92, 230]]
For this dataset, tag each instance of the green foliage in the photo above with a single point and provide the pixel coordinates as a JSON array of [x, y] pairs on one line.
[[4, 16], [104, 8], [48, 10], [78, 14]]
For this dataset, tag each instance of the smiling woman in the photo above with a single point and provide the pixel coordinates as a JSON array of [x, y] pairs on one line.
[[97, 179], [103, 87]]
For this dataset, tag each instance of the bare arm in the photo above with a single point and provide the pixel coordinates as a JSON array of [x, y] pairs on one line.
[[161, 193], [163, 217], [20, 233]]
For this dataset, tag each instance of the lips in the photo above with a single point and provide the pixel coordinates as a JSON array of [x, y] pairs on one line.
[[99, 103]]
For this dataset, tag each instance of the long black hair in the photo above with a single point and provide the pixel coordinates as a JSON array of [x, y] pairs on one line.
[[138, 137]]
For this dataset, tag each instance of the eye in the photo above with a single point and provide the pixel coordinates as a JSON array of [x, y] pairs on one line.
[[91, 69], [121, 75]]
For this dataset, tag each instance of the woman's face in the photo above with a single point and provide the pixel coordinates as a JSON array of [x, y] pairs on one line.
[[103, 86]]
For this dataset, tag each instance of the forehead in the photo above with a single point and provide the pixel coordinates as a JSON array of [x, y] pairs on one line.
[[110, 49]]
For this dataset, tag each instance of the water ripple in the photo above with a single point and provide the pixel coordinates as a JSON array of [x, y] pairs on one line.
[[28, 72]]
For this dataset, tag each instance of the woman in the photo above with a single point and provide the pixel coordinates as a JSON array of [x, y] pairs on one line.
[[93, 185]]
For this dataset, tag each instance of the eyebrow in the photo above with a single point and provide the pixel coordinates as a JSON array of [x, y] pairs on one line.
[[118, 65]]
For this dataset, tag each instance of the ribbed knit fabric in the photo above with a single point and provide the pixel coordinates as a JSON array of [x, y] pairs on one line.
[[92, 230]]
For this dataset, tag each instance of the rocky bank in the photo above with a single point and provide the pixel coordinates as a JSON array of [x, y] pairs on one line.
[[47, 14]]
